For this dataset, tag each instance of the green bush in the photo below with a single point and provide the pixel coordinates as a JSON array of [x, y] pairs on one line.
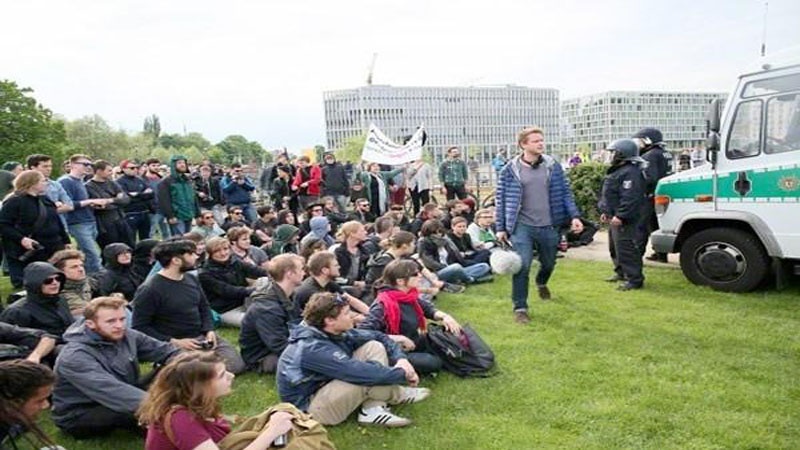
[[587, 181]]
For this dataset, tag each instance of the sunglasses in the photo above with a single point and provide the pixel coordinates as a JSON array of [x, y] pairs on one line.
[[132, 167], [237, 213], [51, 280], [84, 163], [208, 217]]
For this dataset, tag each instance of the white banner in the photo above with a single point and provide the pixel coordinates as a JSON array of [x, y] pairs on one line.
[[382, 150]]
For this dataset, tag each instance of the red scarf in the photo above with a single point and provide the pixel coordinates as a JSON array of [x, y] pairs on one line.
[[391, 300]]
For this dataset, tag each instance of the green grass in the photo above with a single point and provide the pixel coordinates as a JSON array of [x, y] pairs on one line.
[[671, 366]]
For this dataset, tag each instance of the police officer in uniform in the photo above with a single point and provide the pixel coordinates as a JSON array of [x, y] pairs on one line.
[[659, 165], [621, 203]]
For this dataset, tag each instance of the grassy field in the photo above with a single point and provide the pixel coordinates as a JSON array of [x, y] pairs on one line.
[[672, 366]]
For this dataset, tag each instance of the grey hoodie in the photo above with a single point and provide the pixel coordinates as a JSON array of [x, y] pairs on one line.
[[91, 370]]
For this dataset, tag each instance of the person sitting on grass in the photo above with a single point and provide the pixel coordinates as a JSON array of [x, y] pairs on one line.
[[352, 257], [441, 256], [117, 276], [480, 231], [330, 369], [78, 287], [26, 388], [225, 281], [266, 325], [243, 249], [182, 409], [399, 312], [99, 385], [285, 240], [323, 269], [458, 235]]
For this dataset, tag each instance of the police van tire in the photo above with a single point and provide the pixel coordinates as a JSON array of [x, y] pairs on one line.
[[726, 259]]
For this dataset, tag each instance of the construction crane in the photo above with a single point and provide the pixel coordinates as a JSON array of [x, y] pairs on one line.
[[371, 68]]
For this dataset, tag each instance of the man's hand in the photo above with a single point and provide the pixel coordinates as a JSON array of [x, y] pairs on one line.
[[451, 324], [172, 220], [404, 342], [411, 375], [603, 218], [28, 243], [502, 236], [185, 344], [304, 184], [577, 226], [279, 423], [616, 221]]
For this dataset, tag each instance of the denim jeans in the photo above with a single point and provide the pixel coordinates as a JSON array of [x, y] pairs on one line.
[[341, 200], [180, 227], [526, 239], [159, 222], [456, 273], [85, 235]]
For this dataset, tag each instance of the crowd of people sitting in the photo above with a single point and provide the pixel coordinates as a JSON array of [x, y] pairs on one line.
[[330, 284]]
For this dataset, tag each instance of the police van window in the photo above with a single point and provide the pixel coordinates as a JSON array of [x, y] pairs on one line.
[[772, 86], [783, 124], [745, 136]]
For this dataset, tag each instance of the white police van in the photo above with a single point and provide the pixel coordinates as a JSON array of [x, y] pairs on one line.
[[737, 219]]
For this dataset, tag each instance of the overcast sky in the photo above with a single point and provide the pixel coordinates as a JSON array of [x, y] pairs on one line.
[[258, 68]]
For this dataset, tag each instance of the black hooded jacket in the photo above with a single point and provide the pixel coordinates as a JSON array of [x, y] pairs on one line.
[[117, 277], [225, 284], [143, 259], [48, 313]]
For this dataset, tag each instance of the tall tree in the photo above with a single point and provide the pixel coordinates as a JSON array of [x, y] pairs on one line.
[[238, 149], [26, 126], [351, 149], [94, 136], [152, 126]]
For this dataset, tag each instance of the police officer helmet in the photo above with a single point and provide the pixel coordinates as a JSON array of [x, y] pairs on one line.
[[624, 149], [649, 136]]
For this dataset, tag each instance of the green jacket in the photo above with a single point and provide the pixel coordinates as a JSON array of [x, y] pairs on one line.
[[453, 172], [366, 179]]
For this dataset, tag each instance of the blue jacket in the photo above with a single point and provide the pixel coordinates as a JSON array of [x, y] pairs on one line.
[[235, 193], [313, 358], [508, 196]]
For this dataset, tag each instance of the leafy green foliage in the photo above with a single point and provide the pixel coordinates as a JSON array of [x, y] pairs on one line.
[[26, 126], [587, 180], [237, 148], [93, 136], [351, 149]]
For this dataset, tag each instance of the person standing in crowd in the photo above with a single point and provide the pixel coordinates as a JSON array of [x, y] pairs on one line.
[[453, 175], [157, 219], [9, 171], [98, 387], [43, 308], [282, 188], [238, 189], [266, 325], [621, 205], [698, 157], [30, 225], [171, 306], [306, 182], [533, 199], [376, 187], [209, 192], [685, 160], [26, 389], [335, 182], [111, 224], [55, 192], [81, 221], [182, 408], [330, 369], [499, 161], [137, 212], [659, 165], [420, 185], [575, 160], [176, 197]]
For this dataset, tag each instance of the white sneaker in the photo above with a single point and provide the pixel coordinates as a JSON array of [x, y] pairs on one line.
[[412, 395], [381, 416]]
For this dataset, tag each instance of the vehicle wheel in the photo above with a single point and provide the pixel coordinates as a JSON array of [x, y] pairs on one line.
[[726, 259]]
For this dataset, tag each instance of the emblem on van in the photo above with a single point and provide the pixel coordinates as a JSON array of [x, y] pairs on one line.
[[789, 184]]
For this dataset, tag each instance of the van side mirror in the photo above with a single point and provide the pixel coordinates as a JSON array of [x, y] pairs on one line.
[[712, 116]]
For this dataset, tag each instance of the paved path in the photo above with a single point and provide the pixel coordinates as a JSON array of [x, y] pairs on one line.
[[598, 251]]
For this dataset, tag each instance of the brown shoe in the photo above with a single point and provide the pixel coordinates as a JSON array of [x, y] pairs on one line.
[[544, 293], [522, 317]]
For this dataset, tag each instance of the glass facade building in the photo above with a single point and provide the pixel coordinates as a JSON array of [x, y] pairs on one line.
[[590, 123], [479, 120]]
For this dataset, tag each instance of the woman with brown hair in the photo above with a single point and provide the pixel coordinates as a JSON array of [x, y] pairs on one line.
[[30, 225], [182, 408], [399, 312], [25, 387]]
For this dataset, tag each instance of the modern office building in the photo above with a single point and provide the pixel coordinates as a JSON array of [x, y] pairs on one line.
[[479, 120], [590, 123]]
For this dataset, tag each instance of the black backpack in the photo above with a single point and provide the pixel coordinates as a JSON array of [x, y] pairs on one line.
[[465, 355]]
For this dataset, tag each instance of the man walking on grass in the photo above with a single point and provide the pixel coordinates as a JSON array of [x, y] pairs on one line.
[[533, 199]]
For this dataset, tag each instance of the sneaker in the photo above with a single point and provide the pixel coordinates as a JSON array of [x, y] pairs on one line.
[[544, 293], [484, 279], [657, 257], [381, 416], [453, 288], [615, 278], [412, 395], [628, 287], [522, 317]]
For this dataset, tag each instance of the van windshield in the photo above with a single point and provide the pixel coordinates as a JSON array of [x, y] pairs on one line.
[[772, 86]]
